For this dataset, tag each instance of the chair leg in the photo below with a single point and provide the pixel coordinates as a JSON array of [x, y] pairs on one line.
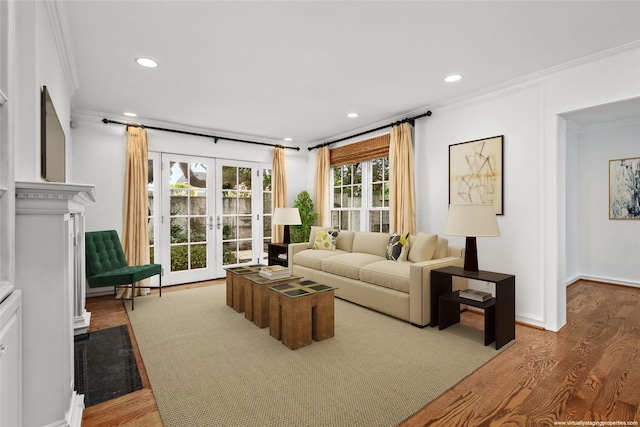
[[133, 295], [160, 282]]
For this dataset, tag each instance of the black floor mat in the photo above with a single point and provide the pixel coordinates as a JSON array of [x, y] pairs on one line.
[[105, 365]]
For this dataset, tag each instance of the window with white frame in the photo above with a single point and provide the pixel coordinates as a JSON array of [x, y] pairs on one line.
[[360, 196]]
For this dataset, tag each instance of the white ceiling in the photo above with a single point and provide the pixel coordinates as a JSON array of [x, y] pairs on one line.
[[268, 70]]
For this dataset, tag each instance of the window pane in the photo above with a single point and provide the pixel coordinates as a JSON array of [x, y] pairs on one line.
[[198, 229], [179, 258], [266, 179], [229, 255], [244, 177], [355, 221], [179, 230], [344, 220], [266, 203], [198, 205], [266, 226], [244, 251], [229, 228], [335, 219], [357, 196], [386, 168], [385, 221], [374, 221], [197, 175], [357, 173], [229, 203], [376, 195], [198, 256], [337, 197], [244, 227], [244, 202], [229, 178], [346, 197]]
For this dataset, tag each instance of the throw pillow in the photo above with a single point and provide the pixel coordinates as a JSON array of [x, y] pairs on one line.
[[423, 247], [312, 234], [398, 246], [325, 240]]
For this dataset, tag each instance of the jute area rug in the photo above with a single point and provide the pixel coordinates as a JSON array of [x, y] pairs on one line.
[[209, 366]]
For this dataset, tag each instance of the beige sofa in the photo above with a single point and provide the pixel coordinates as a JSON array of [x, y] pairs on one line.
[[359, 269]]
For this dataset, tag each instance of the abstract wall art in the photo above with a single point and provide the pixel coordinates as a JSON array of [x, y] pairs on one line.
[[475, 172], [624, 188]]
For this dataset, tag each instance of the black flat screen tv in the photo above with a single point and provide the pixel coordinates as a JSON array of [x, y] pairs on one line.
[[52, 141]]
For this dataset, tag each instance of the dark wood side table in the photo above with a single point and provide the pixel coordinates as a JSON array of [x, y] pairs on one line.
[[276, 249], [502, 308]]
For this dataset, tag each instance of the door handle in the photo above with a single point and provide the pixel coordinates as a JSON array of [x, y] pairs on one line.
[[219, 222]]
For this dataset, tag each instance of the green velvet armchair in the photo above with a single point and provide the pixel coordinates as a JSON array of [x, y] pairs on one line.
[[106, 264]]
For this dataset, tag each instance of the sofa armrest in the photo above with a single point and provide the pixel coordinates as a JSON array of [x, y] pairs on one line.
[[293, 249], [420, 286]]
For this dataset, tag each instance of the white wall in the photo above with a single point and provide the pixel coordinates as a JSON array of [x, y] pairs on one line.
[[573, 211], [99, 155], [516, 115], [608, 249], [534, 226], [40, 64]]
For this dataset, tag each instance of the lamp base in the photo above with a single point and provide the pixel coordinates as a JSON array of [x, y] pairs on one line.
[[471, 255], [287, 235]]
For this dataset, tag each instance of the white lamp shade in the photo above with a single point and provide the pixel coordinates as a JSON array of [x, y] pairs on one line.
[[286, 216], [472, 221]]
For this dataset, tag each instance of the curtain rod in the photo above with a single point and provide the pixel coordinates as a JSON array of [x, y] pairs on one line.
[[410, 120], [215, 138]]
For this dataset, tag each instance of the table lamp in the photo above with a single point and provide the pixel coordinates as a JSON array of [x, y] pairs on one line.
[[472, 221], [286, 217]]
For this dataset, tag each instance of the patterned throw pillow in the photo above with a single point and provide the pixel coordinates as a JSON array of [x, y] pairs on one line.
[[398, 247], [325, 240]]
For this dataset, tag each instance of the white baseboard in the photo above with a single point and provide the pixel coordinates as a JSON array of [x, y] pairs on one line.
[[605, 280]]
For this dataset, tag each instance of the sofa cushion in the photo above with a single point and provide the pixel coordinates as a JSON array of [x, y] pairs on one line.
[[398, 247], [422, 247], [388, 274], [345, 240], [442, 248], [371, 243], [325, 240], [348, 264], [313, 259]]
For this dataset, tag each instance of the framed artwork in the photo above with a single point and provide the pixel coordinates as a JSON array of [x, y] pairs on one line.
[[475, 172], [624, 188]]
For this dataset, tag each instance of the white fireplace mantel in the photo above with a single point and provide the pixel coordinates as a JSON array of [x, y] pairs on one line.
[[50, 273]]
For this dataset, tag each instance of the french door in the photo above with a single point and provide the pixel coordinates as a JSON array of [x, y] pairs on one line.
[[239, 215], [211, 216], [188, 250]]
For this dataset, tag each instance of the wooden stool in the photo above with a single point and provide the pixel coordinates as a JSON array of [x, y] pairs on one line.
[[300, 312]]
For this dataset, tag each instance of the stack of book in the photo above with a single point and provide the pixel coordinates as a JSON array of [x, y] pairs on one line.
[[472, 294], [274, 272]]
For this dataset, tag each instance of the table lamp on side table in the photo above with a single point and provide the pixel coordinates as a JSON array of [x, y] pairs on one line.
[[472, 221], [286, 217]]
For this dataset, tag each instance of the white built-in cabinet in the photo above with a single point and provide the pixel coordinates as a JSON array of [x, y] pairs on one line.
[[11, 360], [49, 246]]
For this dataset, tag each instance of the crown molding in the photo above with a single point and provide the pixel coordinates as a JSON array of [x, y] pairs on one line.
[[526, 81], [60, 24]]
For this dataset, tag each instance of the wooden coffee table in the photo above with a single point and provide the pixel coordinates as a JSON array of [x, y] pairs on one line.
[[256, 297], [301, 311], [235, 284]]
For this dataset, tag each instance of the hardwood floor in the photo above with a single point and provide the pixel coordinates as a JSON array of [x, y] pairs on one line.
[[588, 371]]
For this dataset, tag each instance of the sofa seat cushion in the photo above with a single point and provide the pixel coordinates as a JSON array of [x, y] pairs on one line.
[[388, 274], [313, 259], [348, 265]]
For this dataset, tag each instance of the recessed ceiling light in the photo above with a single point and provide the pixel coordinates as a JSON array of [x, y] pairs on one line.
[[453, 78], [147, 62], [130, 114], [352, 115], [288, 139]]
